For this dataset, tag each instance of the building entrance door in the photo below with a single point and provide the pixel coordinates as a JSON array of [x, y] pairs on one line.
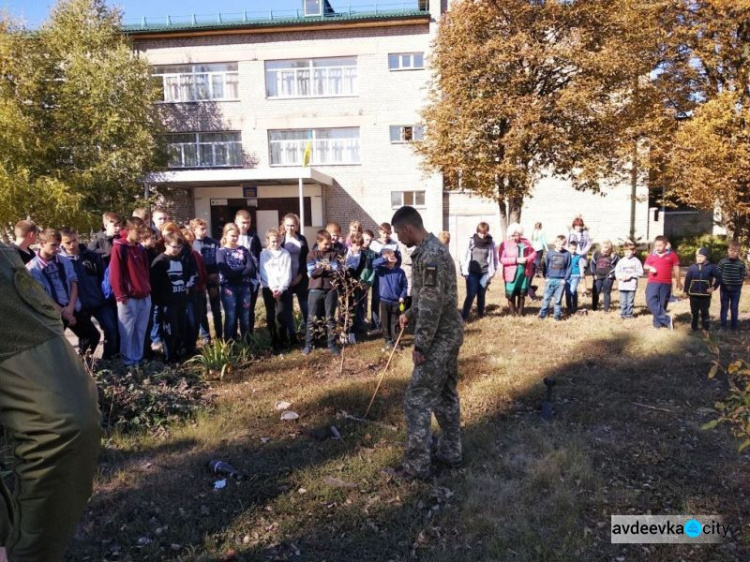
[[266, 221], [222, 214]]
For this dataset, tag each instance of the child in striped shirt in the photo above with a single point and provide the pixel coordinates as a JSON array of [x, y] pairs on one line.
[[733, 272]]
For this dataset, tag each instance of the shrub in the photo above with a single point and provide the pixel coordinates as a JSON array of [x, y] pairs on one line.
[[734, 410], [134, 401], [686, 247]]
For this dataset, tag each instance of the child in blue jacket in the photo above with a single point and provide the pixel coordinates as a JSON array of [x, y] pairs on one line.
[[701, 279], [392, 288]]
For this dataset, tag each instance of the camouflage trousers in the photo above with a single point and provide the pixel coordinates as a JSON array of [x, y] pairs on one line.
[[433, 389]]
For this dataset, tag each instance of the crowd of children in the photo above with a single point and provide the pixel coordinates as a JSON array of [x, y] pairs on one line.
[[150, 283]]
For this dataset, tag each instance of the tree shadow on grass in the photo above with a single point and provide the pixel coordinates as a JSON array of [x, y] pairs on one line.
[[625, 439]]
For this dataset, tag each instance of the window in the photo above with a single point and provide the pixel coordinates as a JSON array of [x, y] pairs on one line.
[[406, 133], [313, 7], [327, 146], [406, 61], [204, 150], [197, 82], [401, 198], [311, 78]]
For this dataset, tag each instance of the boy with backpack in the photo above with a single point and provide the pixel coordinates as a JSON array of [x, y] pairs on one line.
[[57, 276], [89, 268]]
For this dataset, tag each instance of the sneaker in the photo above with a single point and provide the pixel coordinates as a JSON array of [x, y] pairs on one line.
[[388, 346], [157, 347], [307, 350]]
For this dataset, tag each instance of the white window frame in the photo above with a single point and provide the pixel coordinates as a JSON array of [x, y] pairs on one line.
[[320, 8], [409, 197], [201, 144], [405, 134], [326, 150], [179, 81], [402, 58], [317, 80]]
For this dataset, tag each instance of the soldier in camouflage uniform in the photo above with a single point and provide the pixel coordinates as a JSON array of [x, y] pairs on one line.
[[49, 410], [437, 339]]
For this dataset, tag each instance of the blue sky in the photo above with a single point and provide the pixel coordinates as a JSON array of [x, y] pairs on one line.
[[34, 12]]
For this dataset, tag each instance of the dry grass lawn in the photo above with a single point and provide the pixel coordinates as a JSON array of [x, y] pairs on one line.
[[625, 439]]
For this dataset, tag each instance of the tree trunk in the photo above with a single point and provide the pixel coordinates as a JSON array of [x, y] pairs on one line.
[[510, 212]]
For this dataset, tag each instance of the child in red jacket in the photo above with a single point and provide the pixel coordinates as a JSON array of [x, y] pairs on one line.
[[130, 280]]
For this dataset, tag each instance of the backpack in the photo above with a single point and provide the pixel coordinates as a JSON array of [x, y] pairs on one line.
[[109, 293]]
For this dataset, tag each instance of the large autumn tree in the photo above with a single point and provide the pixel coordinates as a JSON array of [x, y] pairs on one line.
[[703, 157], [77, 107], [524, 88]]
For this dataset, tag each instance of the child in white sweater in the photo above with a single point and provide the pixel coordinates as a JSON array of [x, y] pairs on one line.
[[275, 277], [627, 272]]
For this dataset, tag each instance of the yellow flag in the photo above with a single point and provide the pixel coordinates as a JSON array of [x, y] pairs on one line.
[[307, 156]]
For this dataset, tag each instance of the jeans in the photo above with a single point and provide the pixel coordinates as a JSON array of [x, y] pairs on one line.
[[699, 307], [236, 300], [627, 302], [132, 321], [657, 297], [553, 288], [321, 301], [602, 287], [474, 288], [730, 303], [106, 315], [571, 294], [276, 315], [214, 299], [173, 329], [154, 325]]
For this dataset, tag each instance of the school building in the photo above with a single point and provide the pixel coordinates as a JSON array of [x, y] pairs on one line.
[[325, 101]]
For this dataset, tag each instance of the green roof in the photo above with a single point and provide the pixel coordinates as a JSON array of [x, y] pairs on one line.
[[248, 20]]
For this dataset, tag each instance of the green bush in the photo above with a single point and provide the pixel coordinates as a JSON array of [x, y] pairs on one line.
[[734, 410], [687, 246]]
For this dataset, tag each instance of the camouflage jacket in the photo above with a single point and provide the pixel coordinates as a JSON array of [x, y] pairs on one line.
[[434, 309]]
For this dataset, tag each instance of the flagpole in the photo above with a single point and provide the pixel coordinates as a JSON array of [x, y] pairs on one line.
[[301, 207]]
